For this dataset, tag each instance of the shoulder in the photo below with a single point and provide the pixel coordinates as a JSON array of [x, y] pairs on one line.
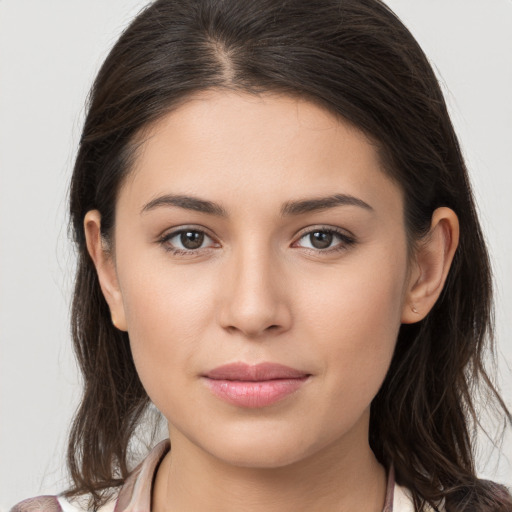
[[500, 491], [403, 501], [41, 503], [498, 497], [59, 504], [134, 494]]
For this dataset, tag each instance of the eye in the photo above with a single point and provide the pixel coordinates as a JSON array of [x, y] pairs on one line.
[[321, 240], [187, 241]]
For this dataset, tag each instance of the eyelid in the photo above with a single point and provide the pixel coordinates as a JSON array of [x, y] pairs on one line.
[[170, 233], [321, 227], [346, 237]]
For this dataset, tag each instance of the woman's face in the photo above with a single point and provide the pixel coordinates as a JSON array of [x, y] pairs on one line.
[[290, 251]]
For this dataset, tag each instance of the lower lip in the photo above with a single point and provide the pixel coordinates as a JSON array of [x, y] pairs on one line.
[[255, 394]]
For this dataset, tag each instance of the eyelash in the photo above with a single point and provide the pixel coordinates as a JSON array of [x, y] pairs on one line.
[[346, 240]]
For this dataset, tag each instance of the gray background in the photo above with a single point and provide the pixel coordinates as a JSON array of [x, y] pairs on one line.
[[49, 53]]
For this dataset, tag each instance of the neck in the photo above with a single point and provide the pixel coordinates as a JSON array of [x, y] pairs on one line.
[[341, 477]]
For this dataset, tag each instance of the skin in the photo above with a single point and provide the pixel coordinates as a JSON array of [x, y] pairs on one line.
[[261, 288]]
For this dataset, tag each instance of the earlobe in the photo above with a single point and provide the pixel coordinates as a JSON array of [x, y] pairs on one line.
[[432, 262], [105, 268]]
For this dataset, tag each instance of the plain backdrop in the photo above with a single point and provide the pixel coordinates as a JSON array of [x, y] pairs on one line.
[[49, 53]]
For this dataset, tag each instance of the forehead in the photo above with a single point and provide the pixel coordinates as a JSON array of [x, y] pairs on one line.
[[243, 148]]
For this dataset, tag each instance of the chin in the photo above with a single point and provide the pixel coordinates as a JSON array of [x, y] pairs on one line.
[[260, 446], [260, 456]]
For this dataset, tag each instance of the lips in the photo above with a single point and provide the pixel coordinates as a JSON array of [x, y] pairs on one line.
[[258, 372], [254, 386]]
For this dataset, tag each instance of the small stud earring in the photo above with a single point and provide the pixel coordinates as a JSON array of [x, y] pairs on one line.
[[414, 310], [114, 322]]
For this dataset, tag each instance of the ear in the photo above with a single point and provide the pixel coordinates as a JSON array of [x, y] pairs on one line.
[[105, 267], [430, 266]]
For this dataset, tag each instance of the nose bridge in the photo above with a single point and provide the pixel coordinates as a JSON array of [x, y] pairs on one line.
[[252, 277]]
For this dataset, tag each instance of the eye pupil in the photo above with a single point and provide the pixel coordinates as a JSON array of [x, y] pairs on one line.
[[192, 239], [323, 239]]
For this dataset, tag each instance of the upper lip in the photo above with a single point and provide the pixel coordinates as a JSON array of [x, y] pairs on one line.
[[257, 372]]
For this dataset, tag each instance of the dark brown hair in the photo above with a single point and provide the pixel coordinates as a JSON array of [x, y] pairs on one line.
[[355, 58]]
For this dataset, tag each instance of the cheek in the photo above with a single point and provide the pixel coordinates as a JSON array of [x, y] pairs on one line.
[[168, 310], [354, 319]]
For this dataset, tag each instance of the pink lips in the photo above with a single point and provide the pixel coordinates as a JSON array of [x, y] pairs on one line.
[[254, 386]]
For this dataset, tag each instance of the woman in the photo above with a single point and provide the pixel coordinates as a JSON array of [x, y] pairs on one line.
[[278, 247]]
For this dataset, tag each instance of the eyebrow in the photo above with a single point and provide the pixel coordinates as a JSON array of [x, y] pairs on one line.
[[289, 208]]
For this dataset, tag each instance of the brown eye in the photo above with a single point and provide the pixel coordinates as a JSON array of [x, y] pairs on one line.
[[326, 240], [184, 241], [191, 239], [321, 239]]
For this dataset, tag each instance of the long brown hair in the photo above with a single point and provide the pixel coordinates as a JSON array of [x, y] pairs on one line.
[[358, 60]]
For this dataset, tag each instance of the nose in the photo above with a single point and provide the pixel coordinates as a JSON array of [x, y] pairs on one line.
[[254, 293]]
